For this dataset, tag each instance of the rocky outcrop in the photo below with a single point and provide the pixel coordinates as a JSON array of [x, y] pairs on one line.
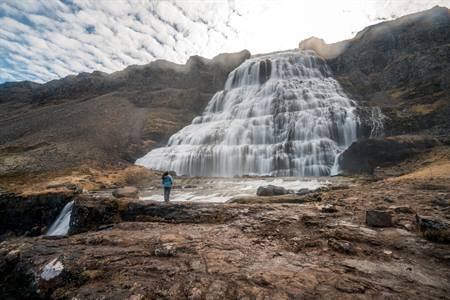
[[31, 215], [93, 213], [365, 155], [100, 118], [402, 66], [327, 51]]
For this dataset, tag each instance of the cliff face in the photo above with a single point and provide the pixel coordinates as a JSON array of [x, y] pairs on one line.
[[403, 66], [104, 118]]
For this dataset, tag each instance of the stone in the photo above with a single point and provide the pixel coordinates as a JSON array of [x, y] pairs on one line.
[[378, 218], [165, 250], [126, 192], [433, 229], [329, 208], [51, 270], [271, 190], [341, 246], [403, 209]]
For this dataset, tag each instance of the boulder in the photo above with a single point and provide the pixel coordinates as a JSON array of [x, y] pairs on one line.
[[341, 246], [271, 190], [433, 229], [126, 192], [329, 208], [378, 218]]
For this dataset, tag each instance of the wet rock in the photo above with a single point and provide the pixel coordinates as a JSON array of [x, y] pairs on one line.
[[433, 229], [378, 218], [126, 192], [302, 192], [341, 246], [329, 208], [271, 190], [31, 213]]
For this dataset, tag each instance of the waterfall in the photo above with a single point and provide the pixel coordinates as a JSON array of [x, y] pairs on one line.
[[279, 114], [62, 223]]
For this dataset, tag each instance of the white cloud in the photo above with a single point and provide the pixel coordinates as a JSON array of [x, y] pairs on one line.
[[48, 39]]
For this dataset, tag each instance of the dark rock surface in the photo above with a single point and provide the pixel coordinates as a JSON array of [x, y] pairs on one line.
[[378, 218], [31, 214], [271, 190], [103, 118], [365, 155], [433, 229], [403, 66]]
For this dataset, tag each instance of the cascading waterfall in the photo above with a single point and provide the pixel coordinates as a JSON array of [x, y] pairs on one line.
[[62, 223], [280, 114]]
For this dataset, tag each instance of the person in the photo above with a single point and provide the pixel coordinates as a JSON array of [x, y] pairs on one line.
[[167, 182]]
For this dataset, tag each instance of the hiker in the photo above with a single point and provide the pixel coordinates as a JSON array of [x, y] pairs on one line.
[[167, 182]]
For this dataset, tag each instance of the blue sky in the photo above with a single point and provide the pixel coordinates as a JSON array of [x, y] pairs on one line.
[[50, 39]]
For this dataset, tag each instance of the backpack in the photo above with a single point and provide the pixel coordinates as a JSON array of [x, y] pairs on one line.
[[167, 181]]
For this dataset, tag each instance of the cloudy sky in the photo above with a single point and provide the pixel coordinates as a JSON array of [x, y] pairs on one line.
[[49, 39]]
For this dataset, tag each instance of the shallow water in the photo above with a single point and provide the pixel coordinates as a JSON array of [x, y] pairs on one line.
[[220, 190]]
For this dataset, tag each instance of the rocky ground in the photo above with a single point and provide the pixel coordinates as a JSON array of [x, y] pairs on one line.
[[320, 247]]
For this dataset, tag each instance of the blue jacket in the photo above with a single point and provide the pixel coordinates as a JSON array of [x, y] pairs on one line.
[[167, 181]]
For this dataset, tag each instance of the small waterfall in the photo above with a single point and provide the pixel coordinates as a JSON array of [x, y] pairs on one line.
[[62, 223], [280, 114]]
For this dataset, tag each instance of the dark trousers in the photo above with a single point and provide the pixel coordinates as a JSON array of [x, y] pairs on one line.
[[167, 193]]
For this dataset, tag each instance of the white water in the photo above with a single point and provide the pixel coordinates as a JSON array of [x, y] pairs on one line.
[[219, 190], [280, 114], [62, 223]]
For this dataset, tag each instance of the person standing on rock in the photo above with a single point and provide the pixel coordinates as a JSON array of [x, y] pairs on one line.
[[167, 182]]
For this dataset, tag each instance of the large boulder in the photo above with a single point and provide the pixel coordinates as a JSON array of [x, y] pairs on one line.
[[271, 190]]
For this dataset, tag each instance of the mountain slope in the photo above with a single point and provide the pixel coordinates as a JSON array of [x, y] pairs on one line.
[[100, 118]]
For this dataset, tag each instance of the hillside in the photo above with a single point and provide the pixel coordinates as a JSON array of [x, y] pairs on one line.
[[103, 118]]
